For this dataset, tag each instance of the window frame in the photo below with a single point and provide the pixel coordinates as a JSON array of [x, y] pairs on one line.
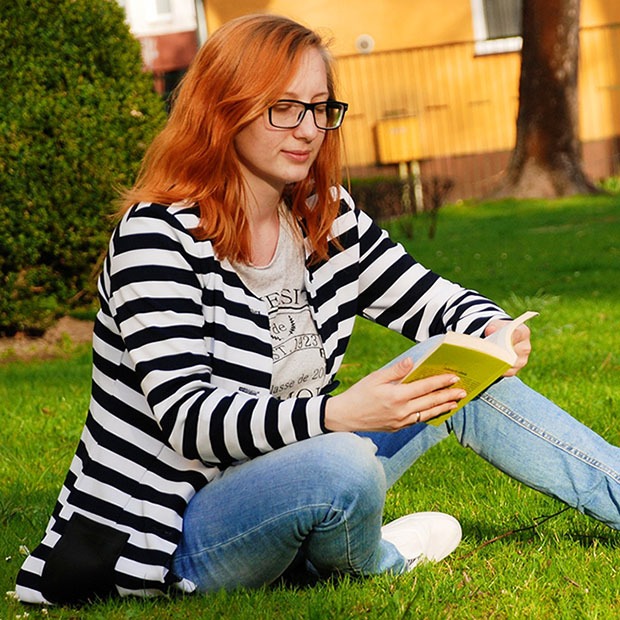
[[484, 45]]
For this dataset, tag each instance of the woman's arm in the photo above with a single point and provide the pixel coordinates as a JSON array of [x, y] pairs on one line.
[[398, 292], [158, 299]]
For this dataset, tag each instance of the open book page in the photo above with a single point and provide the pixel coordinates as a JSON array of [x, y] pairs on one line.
[[503, 337]]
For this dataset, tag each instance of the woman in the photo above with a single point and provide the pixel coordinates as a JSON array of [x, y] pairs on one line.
[[213, 455]]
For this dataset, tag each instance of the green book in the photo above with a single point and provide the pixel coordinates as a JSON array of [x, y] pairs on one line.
[[478, 362]]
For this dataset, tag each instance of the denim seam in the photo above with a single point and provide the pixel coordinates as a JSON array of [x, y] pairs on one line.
[[348, 540], [562, 445], [262, 524]]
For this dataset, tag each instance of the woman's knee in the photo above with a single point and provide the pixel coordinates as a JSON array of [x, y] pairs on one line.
[[348, 451], [348, 465]]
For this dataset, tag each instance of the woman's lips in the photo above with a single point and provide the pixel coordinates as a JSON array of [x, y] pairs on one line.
[[298, 156]]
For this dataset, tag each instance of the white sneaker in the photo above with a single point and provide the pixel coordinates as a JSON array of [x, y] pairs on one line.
[[423, 536]]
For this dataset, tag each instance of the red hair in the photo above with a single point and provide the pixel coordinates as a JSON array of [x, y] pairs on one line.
[[241, 70]]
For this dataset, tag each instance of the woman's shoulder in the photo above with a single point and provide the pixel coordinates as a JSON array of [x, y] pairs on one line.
[[347, 204], [175, 222], [349, 215], [185, 215], [178, 219]]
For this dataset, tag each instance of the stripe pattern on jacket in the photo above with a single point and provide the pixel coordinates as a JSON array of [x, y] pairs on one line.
[[182, 365]]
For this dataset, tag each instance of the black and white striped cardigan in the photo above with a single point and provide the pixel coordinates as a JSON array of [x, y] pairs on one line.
[[182, 365]]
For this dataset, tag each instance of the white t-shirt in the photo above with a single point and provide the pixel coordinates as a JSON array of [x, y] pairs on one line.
[[298, 356]]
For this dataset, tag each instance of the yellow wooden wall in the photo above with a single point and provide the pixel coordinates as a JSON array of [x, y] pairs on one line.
[[423, 92], [393, 24]]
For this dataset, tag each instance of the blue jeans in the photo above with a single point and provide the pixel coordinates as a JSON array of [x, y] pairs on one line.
[[323, 498]]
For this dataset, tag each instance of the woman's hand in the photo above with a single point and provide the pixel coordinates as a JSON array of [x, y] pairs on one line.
[[379, 402], [520, 341]]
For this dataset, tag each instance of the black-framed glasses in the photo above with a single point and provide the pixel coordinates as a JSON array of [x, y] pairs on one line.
[[289, 113]]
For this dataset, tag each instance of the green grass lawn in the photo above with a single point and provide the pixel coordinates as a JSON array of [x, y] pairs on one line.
[[560, 258]]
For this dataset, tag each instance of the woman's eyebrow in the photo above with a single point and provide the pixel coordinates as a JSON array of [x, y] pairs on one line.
[[289, 95]]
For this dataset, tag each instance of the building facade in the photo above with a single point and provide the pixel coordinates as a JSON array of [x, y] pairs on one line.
[[437, 83], [168, 31]]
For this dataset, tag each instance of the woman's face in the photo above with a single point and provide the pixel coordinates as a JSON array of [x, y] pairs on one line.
[[271, 158]]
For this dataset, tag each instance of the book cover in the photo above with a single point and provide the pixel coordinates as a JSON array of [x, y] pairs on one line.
[[478, 362]]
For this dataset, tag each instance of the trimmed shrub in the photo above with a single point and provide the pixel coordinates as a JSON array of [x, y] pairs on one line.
[[380, 197], [76, 114]]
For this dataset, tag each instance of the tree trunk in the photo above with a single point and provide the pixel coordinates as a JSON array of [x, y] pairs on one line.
[[546, 161]]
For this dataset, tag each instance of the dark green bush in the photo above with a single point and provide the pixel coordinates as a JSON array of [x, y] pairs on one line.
[[380, 197], [385, 198], [76, 114]]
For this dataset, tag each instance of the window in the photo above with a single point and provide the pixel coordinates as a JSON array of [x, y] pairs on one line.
[[163, 7], [159, 10], [497, 25]]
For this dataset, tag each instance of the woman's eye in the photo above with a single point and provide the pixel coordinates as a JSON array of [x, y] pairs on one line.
[[282, 107]]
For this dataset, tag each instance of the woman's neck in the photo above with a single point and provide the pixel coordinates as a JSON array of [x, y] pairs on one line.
[[263, 204], [264, 224]]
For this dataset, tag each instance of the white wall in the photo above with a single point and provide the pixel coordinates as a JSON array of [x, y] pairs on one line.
[[148, 18]]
